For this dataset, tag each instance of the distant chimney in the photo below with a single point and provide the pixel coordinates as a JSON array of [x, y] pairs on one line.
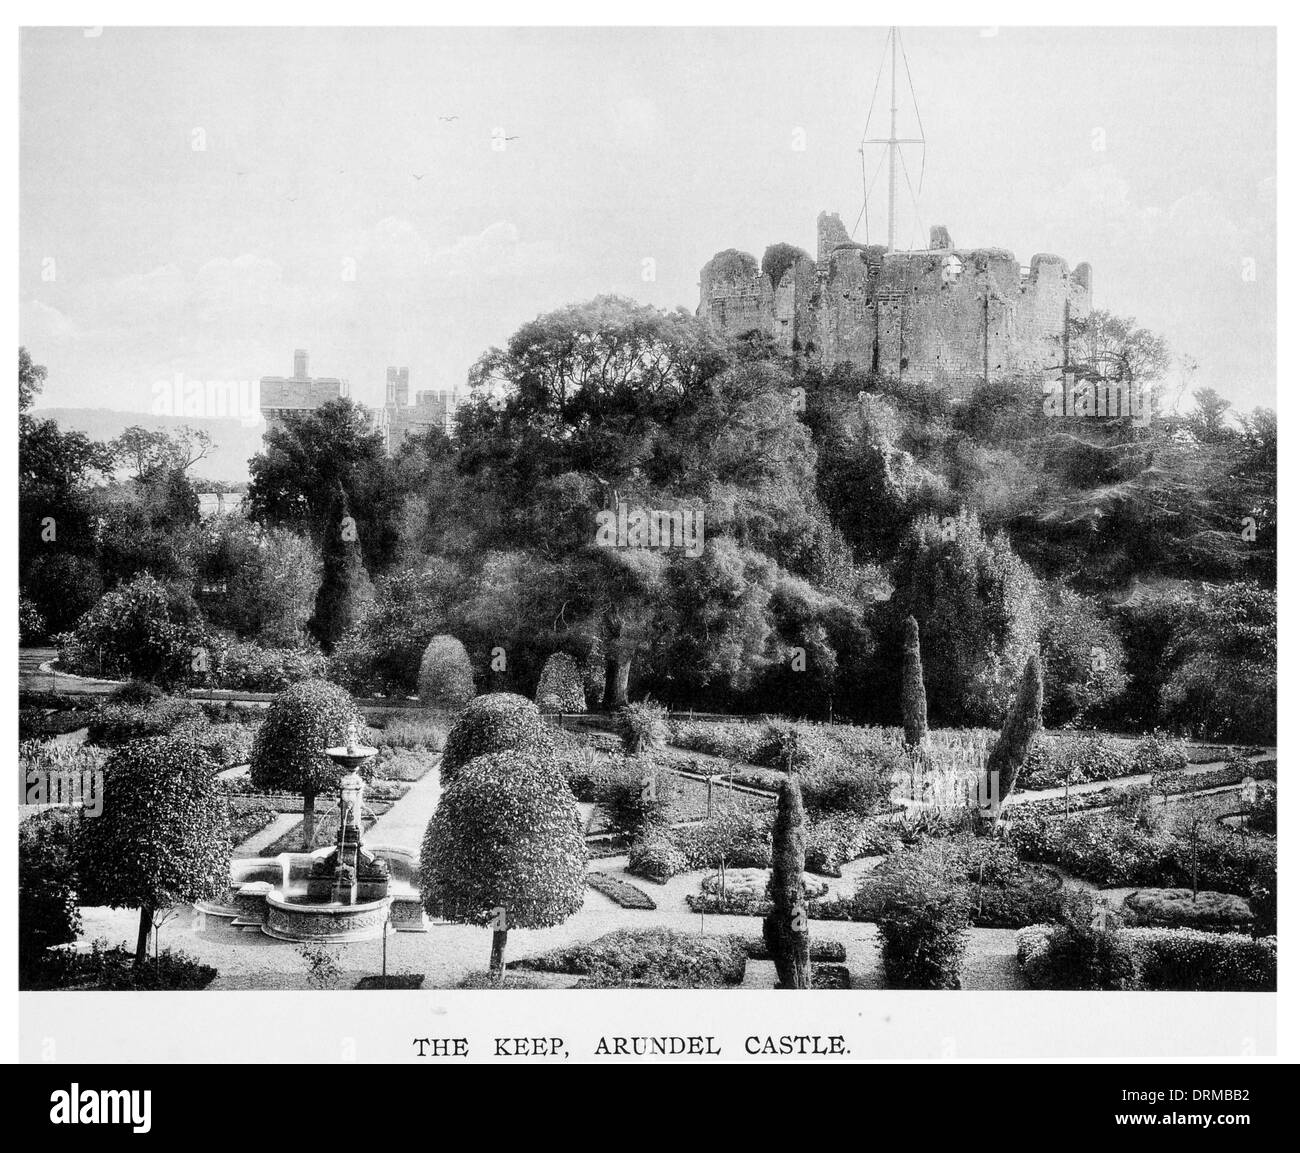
[[300, 364]]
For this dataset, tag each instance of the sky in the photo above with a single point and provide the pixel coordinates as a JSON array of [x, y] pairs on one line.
[[204, 201]]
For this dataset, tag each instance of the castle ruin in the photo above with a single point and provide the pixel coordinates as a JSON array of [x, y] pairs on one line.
[[945, 316]]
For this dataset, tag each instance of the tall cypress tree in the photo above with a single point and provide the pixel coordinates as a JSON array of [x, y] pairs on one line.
[[345, 584], [912, 691], [785, 928], [1023, 723]]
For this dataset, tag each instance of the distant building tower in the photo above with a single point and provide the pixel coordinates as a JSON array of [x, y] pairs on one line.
[[400, 419], [300, 392]]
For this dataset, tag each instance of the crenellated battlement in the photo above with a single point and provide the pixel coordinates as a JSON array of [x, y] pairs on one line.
[[943, 314]]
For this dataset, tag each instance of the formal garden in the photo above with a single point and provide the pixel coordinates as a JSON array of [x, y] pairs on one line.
[[951, 697]]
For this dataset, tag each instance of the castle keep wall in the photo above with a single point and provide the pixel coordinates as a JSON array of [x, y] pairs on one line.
[[944, 315]]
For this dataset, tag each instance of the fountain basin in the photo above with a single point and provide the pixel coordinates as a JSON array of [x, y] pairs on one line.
[[296, 918], [274, 895]]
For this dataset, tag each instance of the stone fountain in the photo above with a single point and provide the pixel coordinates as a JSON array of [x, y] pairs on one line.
[[350, 892]]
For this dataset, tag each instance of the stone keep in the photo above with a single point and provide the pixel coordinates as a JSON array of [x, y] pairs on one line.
[[946, 316]]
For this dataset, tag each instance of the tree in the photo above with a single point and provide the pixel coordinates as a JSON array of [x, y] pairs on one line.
[[383, 649], [1207, 420], [345, 585], [912, 690], [446, 678], [295, 479], [289, 749], [31, 379], [164, 834], [1222, 664], [142, 629], [1084, 665], [148, 451], [494, 723], [258, 582], [505, 849], [1023, 724], [976, 603], [785, 928]]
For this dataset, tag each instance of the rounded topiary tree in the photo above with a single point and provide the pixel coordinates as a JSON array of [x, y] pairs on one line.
[[912, 690], [446, 676], [494, 723], [164, 834], [560, 687], [505, 848], [289, 750]]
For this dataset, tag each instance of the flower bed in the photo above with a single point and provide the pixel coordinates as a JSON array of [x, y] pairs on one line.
[[1176, 908], [647, 959]]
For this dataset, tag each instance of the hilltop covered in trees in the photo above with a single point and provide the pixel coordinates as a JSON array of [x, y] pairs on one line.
[[1138, 557]]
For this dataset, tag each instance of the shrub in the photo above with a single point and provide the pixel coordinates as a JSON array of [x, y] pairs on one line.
[[47, 888], [119, 723], [61, 587], [922, 913], [836, 839], [111, 969], [635, 792], [642, 726], [289, 750], [504, 847], [1155, 959], [585, 770], [560, 688], [1086, 950], [649, 959], [838, 784], [1185, 959], [248, 666], [737, 837], [494, 723], [1003, 892], [139, 629], [737, 742], [381, 653], [1176, 908], [412, 731], [446, 678], [163, 837], [31, 623], [1159, 753], [1091, 756], [656, 856]]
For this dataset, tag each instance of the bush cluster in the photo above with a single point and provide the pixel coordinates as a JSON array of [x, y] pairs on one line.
[[643, 727], [834, 840], [1111, 851], [1186, 960]]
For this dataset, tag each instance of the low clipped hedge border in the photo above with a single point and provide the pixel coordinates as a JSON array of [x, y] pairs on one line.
[[1171, 960]]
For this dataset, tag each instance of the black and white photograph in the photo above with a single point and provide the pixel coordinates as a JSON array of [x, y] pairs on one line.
[[524, 519]]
